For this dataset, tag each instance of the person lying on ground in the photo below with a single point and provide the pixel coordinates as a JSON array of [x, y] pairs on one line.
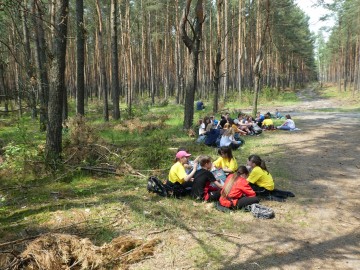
[[177, 173], [267, 124], [262, 181], [228, 139], [202, 188], [226, 161], [237, 193], [289, 124]]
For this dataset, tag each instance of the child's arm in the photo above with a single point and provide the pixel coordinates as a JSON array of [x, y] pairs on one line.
[[218, 184]]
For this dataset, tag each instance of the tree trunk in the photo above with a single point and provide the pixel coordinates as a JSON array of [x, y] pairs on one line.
[[226, 49], [41, 62], [103, 78], [217, 61], [57, 84], [260, 55], [114, 61], [193, 46], [80, 54]]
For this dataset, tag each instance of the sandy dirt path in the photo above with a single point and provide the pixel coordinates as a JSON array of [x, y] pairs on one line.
[[318, 229]]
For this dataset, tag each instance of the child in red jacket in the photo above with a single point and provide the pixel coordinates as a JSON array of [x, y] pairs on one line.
[[237, 192]]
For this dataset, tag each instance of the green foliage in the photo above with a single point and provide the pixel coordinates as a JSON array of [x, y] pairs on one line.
[[156, 154], [18, 157]]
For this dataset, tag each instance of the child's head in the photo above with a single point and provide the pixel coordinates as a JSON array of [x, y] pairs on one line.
[[255, 160], [243, 171], [182, 156], [225, 152], [288, 116], [206, 120], [267, 116], [205, 162]]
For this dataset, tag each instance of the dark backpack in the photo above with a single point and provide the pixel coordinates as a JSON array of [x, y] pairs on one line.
[[176, 190], [212, 136], [154, 185]]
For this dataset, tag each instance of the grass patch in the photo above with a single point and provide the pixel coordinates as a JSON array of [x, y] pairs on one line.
[[113, 205]]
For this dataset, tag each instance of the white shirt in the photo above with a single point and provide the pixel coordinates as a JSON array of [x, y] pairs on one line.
[[226, 140], [202, 129], [290, 123]]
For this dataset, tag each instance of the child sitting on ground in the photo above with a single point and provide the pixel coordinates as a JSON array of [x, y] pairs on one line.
[[278, 114], [228, 139], [289, 124], [261, 181], [237, 192], [203, 178], [267, 124], [177, 173], [226, 161]]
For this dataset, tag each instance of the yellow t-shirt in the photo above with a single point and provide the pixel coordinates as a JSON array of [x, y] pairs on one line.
[[177, 173], [261, 178], [267, 122], [230, 164]]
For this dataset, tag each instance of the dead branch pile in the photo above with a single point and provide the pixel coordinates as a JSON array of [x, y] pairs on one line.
[[63, 252], [140, 126]]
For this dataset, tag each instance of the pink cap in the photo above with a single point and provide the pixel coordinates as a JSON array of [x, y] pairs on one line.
[[182, 154]]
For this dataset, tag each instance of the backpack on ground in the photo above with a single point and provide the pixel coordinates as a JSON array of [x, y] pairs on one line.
[[260, 211], [154, 185], [257, 129], [176, 190]]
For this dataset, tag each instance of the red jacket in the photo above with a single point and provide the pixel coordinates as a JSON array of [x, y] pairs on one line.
[[240, 188]]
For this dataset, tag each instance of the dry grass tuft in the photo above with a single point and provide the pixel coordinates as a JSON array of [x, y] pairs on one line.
[[63, 251], [140, 126]]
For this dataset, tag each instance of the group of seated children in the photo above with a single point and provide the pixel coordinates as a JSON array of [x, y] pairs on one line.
[[230, 130], [266, 123], [242, 186]]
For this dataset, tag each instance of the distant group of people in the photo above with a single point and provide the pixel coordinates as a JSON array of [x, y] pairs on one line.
[[228, 131], [244, 185]]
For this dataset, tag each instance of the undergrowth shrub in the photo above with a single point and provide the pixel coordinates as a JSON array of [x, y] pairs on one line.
[[155, 153]]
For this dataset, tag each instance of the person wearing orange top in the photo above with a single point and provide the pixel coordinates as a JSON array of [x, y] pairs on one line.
[[237, 193]]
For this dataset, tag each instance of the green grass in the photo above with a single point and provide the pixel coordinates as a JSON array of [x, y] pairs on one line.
[[29, 194]]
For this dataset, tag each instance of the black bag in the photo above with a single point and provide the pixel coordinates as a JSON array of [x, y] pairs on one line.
[[156, 186], [176, 190]]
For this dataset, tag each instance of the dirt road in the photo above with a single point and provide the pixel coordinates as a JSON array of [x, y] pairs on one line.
[[318, 229]]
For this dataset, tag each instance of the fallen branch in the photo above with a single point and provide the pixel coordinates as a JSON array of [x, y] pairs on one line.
[[217, 233], [159, 231]]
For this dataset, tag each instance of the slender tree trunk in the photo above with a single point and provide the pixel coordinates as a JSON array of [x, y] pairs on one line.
[[260, 55], [194, 49], [226, 50], [3, 87], [217, 61], [18, 89], [115, 60], [80, 58], [41, 62], [152, 86], [102, 64], [57, 83]]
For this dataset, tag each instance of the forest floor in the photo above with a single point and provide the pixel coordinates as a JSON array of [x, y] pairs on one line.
[[318, 229]]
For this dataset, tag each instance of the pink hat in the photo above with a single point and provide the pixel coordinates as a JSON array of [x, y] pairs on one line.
[[182, 154]]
